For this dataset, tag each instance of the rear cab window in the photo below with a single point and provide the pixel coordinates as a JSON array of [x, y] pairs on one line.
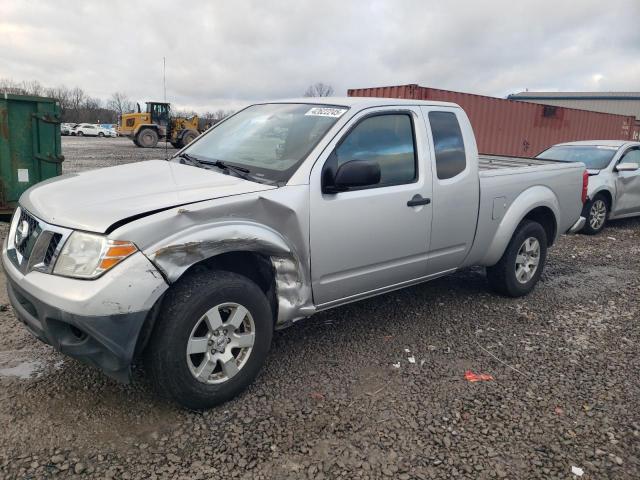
[[451, 158]]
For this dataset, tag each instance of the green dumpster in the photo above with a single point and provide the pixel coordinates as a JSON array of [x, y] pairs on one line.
[[30, 149]]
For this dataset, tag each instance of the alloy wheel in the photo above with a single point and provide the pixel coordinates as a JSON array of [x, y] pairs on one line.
[[597, 214], [220, 343], [527, 260]]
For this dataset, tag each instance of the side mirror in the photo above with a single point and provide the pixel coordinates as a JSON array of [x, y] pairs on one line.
[[355, 173], [627, 167]]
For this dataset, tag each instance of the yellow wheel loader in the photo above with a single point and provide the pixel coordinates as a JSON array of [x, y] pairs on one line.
[[147, 128]]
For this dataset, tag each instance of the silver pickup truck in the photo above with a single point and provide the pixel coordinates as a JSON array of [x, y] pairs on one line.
[[283, 210], [614, 178]]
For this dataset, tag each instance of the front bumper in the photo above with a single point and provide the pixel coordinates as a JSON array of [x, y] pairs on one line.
[[578, 225], [96, 321]]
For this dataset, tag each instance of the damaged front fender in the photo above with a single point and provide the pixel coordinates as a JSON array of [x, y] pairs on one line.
[[292, 286], [273, 224]]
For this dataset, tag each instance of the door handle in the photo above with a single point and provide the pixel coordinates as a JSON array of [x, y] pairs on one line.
[[418, 200]]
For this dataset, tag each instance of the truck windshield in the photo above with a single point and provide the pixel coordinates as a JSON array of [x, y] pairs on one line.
[[595, 157], [270, 140]]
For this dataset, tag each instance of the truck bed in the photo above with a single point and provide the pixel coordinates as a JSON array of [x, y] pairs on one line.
[[496, 162]]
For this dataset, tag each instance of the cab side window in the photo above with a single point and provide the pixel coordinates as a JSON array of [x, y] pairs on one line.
[[387, 139], [449, 145]]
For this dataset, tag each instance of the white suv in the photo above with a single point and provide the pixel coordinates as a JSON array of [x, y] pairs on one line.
[[86, 129]]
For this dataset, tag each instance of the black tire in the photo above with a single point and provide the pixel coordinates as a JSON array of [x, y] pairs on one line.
[[80, 134], [183, 308], [592, 208], [502, 276], [147, 138], [188, 137], [177, 145], [100, 134]]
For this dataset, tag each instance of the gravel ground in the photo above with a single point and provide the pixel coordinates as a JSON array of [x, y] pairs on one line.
[[375, 389], [88, 153]]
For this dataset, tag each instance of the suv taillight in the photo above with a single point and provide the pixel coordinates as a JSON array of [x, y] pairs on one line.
[[585, 185]]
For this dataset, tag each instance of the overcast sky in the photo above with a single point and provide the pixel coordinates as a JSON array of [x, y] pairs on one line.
[[222, 54]]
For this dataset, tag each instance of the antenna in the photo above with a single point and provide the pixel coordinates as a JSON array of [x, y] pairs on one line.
[[164, 88]]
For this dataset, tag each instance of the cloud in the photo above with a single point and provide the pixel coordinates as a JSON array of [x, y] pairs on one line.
[[225, 54]]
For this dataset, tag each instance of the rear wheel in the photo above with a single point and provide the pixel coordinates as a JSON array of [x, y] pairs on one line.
[[597, 213], [147, 138], [80, 134], [100, 134], [211, 339], [522, 263]]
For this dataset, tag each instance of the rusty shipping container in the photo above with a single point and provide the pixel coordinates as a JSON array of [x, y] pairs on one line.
[[507, 127]]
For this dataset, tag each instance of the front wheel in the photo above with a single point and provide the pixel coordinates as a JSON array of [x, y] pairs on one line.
[[597, 212], [100, 134], [147, 138], [188, 137], [80, 134], [521, 265], [210, 340]]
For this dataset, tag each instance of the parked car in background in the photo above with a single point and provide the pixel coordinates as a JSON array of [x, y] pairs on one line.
[[86, 129], [280, 211], [106, 132], [614, 178]]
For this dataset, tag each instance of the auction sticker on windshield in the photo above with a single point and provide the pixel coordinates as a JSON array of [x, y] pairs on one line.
[[326, 112]]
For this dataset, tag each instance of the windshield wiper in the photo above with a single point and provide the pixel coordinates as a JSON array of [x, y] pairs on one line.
[[193, 160], [241, 171]]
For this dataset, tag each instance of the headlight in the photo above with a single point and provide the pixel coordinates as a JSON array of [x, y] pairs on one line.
[[87, 255]]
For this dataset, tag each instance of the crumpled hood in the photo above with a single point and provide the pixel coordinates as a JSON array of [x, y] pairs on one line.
[[97, 199]]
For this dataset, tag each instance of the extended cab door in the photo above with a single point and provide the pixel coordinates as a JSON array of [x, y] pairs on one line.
[[368, 239], [628, 185], [456, 187]]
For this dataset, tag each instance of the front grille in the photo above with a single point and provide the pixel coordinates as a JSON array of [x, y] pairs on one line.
[[35, 244], [51, 249], [27, 233]]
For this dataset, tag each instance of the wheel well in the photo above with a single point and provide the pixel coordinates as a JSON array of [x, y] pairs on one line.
[[254, 266], [545, 217], [607, 195]]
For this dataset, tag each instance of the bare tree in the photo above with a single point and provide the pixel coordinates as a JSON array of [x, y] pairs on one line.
[[33, 87], [75, 105], [12, 87], [63, 95], [184, 113], [214, 117], [120, 103], [319, 89]]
